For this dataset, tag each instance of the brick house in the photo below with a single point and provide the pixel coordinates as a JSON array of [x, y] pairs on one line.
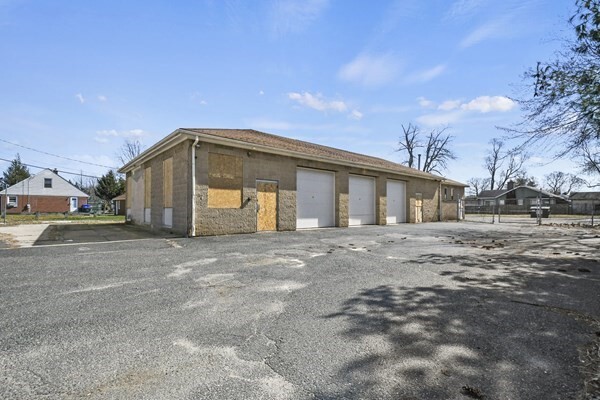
[[224, 181], [44, 192]]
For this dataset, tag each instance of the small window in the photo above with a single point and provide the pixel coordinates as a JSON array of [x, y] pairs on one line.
[[445, 193], [451, 193], [47, 182], [12, 201], [520, 202]]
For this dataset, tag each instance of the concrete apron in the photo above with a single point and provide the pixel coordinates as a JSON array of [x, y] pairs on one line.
[[24, 235]]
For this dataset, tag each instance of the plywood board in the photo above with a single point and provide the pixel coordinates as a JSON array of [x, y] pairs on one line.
[[168, 182], [147, 187], [128, 191], [225, 181], [266, 193]]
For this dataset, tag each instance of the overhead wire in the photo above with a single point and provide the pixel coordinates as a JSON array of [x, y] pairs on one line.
[[55, 155], [57, 170]]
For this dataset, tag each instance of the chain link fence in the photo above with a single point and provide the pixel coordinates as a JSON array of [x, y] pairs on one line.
[[534, 215]]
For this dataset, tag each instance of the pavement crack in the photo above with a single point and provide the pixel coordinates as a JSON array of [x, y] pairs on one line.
[[564, 311]]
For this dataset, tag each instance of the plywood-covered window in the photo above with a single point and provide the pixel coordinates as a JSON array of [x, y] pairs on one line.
[[168, 182], [147, 187], [225, 181], [128, 191]]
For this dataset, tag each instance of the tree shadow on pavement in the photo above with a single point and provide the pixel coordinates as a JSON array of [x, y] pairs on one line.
[[513, 328]]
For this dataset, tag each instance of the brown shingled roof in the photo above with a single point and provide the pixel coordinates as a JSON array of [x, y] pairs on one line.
[[251, 136]]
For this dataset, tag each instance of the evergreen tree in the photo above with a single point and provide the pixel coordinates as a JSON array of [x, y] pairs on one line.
[[108, 187], [16, 172]]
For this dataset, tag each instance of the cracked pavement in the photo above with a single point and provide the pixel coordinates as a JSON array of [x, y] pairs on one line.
[[436, 311]]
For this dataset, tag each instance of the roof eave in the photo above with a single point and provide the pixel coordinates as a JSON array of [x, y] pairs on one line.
[[289, 153]]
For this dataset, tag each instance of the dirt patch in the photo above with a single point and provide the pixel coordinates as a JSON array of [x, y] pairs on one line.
[[8, 241]]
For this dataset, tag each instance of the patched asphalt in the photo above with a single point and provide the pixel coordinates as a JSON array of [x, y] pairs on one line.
[[429, 311]]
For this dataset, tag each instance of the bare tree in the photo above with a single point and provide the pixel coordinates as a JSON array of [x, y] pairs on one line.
[[562, 111], [129, 150], [409, 143], [590, 155], [558, 182], [436, 148], [437, 153], [504, 165], [478, 185]]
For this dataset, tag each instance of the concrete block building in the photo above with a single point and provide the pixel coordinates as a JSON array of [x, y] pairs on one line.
[[224, 181]]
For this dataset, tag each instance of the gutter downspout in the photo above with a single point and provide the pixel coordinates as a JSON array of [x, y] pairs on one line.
[[193, 227]]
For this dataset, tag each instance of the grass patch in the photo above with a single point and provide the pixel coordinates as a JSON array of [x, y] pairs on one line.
[[18, 219]]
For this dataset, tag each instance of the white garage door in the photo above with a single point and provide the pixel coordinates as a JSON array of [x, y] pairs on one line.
[[396, 202], [362, 200], [314, 198]]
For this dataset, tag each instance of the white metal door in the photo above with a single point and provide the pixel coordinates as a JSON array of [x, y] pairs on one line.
[[361, 208], [396, 202], [315, 195]]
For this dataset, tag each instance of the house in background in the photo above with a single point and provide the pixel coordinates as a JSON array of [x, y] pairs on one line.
[[44, 192], [224, 181], [517, 200], [119, 204], [585, 203]]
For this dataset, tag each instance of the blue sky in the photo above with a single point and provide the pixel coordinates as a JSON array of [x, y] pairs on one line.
[[79, 78]]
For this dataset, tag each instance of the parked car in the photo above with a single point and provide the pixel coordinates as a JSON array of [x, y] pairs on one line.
[[85, 208]]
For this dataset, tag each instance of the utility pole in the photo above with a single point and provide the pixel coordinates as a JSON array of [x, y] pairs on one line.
[[4, 204]]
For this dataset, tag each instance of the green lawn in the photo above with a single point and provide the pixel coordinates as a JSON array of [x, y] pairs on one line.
[[18, 219]]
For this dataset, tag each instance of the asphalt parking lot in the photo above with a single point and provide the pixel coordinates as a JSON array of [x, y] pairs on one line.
[[429, 311]]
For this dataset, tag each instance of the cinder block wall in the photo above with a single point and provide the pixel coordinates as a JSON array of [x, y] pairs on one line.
[[181, 188], [429, 191], [263, 166], [450, 206], [256, 166]]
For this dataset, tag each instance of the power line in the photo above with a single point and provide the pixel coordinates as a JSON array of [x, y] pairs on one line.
[[54, 155], [62, 172]]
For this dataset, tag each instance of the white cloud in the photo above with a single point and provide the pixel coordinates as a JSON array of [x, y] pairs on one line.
[[490, 30], [317, 102], [440, 118], [355, 114], [371, 70], [102, 98], [486, 104], [134, 133], [453, 110], [261, 93], [449, 105], [425, 103], [428, 74], [100, 139], [463, 8], [293, 16], [80, 97]]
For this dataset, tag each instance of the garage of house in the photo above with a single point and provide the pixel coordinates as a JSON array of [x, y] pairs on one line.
[[224, 181]]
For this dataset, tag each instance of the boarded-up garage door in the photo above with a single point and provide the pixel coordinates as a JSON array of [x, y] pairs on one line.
[[362, 200], [314, 198], [396, 202]]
